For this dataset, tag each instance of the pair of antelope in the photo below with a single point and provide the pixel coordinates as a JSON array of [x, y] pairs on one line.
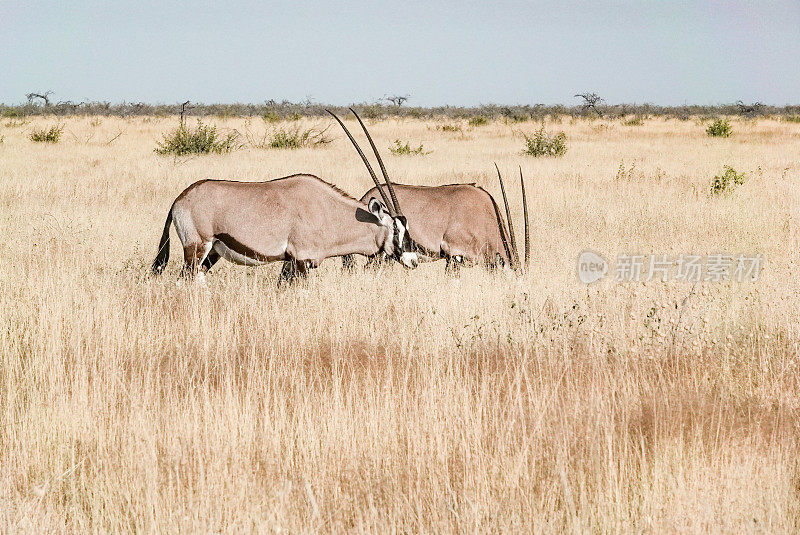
[[302, 220]]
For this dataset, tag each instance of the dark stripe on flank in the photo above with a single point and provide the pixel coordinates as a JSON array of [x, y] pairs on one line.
[[238, 247]]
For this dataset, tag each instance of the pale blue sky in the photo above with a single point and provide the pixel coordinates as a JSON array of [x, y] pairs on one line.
[[459, 53]]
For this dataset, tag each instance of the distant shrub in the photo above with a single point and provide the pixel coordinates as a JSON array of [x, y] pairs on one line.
[[727, 181], [271, 117], [295, 138], [792, 118], [204, 139], [225, 113], [292, 137], [47, 135], [635, 121], [518, 118], [478, 120], [455, 128], [543, 144], [286, 109], [372, 111], [405, 148], [719, 128]]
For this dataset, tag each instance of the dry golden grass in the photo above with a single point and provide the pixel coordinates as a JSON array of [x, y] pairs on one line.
[[397, 400]]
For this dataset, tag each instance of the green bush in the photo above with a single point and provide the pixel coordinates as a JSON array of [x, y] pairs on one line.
[[518, 118], [727, 181], [719, 128], [295, 138], [372, 111], [455, 128], [634, 121], [405, 148], [271, 117], [204, 139], [478, 120], [792, 119], [543, 144], [47, 135]]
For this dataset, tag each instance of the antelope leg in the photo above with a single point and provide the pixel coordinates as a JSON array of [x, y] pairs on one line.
[[193, 255], [376, 261], [211, 259], [293, 268], [288, 273], [454, 264], [348, 262]]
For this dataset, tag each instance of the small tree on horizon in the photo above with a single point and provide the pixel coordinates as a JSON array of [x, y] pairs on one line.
[[749, 109], [44, 96], [590, 102], [397, 100]]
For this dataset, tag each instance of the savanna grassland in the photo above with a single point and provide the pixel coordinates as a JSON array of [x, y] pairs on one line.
[[395, 400]]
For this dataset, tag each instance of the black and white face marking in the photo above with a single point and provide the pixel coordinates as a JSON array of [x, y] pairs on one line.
[[403, 244], [377, 208]]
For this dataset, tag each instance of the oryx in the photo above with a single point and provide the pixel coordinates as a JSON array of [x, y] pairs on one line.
[[299, 218], [458, 222]]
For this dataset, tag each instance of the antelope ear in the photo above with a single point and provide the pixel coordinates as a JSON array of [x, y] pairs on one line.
[[377, 208]]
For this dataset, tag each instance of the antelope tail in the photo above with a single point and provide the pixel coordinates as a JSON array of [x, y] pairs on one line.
[[163, 247]]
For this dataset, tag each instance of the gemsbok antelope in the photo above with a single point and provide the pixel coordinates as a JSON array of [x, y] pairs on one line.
[[299, 218], [458, 222]]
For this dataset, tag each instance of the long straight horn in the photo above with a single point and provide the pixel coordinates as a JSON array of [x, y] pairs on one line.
[[502, 228], [525, 216], [366, 162], [508, 218], [380, 162]]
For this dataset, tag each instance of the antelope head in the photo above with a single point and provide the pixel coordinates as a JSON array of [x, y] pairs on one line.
[[397, 242]]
